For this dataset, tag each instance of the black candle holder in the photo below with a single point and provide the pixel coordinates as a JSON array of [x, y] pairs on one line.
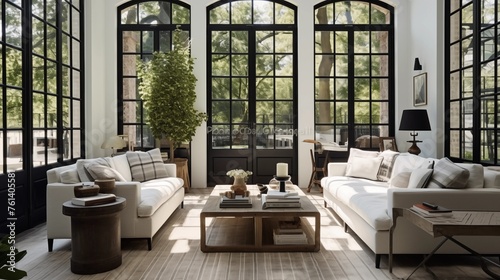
[[282, 180]]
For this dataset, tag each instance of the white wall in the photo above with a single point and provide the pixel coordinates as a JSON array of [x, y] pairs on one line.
[[418, 17]]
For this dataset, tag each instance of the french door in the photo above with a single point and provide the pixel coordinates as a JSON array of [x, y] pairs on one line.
[[252, 96]]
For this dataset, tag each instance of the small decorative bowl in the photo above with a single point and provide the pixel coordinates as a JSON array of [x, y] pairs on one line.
[[81, 191], [106, 185]]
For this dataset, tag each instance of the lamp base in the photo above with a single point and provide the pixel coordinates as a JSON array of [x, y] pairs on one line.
[[414, 149]]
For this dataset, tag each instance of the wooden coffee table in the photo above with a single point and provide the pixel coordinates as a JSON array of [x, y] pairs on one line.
[[251, 229]]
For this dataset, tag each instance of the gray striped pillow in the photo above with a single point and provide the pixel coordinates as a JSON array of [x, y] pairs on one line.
[[448, 175], [146, 166]]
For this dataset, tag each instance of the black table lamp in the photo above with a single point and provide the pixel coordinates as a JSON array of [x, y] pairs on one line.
[[414, 120]]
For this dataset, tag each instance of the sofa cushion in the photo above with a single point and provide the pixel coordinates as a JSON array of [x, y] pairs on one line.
[[70, 176], [448, 175], [476, 175], [385, 170], [405, 162], [155, 192], [401, 180], [353, 152], [363, 167], [420, 178], [491, 178], [366, 197], [146, 166]]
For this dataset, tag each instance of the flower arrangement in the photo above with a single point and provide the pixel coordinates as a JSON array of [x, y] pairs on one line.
[[239, 173]]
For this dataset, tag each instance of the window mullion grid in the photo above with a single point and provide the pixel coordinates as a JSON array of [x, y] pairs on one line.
[[476, 84]]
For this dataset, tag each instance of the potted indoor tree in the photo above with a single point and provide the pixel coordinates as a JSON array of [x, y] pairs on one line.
[[167, 87]]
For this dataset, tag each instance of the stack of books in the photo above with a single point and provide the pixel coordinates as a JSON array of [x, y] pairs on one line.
[[430, 210], [101, 198], [277, 199], [289, 233], [238, 201]]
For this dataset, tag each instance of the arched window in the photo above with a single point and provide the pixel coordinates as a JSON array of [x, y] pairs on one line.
[[144, 27], [354, 72]]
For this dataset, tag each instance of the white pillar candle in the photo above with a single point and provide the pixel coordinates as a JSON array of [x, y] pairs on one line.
[[281, 169]]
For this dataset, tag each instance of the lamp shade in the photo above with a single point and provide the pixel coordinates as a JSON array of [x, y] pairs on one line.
[[415, 120], [114, 142]]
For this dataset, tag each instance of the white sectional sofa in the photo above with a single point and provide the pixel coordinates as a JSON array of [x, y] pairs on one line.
[[364, 191], [151, 190]]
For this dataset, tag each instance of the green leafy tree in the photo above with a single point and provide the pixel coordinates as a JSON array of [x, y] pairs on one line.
[[167, 87]]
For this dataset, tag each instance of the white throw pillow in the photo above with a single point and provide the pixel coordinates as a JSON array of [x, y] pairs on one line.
[[476, 175], [146, 166], [401, 180], [99, 171], [419, 178], [363, 167], [70, 177], [353, 152], [448, 175], [83, 173]]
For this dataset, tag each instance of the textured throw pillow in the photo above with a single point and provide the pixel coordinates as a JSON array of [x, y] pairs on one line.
[[401, 180], [70, 177], [99, 171], [358, 153], [363, 167], [385, 170], [448, 175], [83, 173], [146, 166], [419, 178]]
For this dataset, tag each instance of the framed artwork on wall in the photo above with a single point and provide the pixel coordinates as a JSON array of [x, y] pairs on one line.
[[387, 143], [420, 90]]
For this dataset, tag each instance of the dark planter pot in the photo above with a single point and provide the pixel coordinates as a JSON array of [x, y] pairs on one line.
[[181, 153]]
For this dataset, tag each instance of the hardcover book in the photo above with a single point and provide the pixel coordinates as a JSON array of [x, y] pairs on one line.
[[101, 198]]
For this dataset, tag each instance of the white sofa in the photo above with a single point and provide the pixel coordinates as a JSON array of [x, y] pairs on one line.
[[365, 205], [148, 203]]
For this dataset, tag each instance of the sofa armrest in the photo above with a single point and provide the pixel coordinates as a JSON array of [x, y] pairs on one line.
[[337, 168], [455, 199], [171, 169]]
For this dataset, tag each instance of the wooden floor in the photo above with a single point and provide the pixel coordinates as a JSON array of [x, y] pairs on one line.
[[176, 255]]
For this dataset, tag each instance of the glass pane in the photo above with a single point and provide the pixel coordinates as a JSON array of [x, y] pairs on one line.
[[130, 41], [51, 77], [324, 89], [220, 88], [283, 15], [341, 65], [264, 88], [488, 38], [264, 65], [341, 112], [241, 12], [284, 137], [38, 73], [14, 151], [37, 8], [65, 42], [284, 112], [488, 11], [147, 41], [77, 142], [324, 65], [131, 112], [284, 65], [263, 12], [265, 137], [51, 42], [66, 78], [14, 108], [76, 114], [38, 110], [220, 111], [455, 29], [454, 5], [284, 88], [14, 70], [341, 42], [380, 42], [324, 14], [220, 136], [239, 41], [239, 137], [380, 65], [455, 56], [351, 12], [239, 111], [220, 14], [361, 41], [487, 145], [488, 78], [154, 12], [341, 89], [52, 111], [467, 142], [220, 42], [362, 89], [380, 15], [264, 111], [455, 85], [239, 88], [467, 85], [362, 65], [327, 133], [455, 143], [375, 89], [180, 15], [13, 22], [76, 84], [76, 54], [265, 42], [129, 15], [362, 112], [220, 65], [455, 114], [323, 113], [130, 65], [38, 34], [65, 16]]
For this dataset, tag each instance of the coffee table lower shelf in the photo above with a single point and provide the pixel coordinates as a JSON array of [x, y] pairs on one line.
[[253, 234]]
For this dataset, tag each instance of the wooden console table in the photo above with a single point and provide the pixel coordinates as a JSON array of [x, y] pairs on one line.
[[95, 236], [470, 223]]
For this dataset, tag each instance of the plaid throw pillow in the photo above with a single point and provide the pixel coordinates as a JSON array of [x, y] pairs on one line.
[[146, 166], [448, 175]]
